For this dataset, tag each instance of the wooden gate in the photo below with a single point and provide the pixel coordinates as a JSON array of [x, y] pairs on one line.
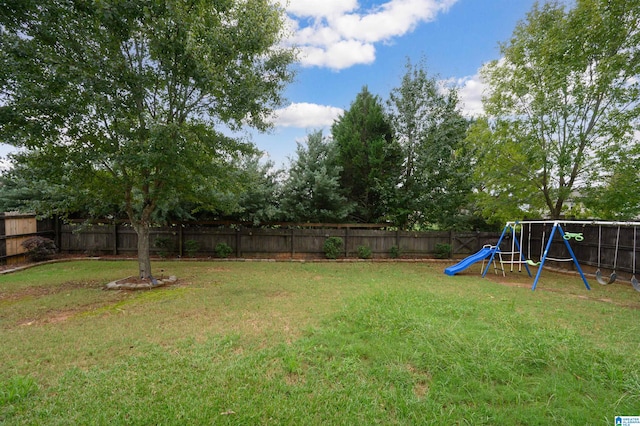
[[17, 228]]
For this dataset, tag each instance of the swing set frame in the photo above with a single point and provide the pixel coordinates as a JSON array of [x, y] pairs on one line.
[[557, 226]]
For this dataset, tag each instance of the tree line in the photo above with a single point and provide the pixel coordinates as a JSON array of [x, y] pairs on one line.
[[115, 108], [401, 162]]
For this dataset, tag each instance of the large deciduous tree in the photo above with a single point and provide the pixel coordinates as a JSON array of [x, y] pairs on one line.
[[430, 129], [369, 156], [117, 102], [562, 103]]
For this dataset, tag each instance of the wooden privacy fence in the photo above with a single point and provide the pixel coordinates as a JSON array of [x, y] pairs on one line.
[[601, 247], [285, 242], [15, 229]]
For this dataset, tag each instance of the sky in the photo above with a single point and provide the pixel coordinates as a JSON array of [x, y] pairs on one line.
[[347, 44]]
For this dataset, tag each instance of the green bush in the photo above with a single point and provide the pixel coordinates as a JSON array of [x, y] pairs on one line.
[[364, 252], [39, 248], [395, 252], [165, 246], [443, 251], [191, 247], [223, 250], [333, 247]]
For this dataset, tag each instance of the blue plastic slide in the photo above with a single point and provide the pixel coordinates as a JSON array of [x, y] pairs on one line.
[[465, 263]]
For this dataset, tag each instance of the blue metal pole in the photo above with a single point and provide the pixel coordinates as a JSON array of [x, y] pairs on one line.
[[544, 256], [493, 253]]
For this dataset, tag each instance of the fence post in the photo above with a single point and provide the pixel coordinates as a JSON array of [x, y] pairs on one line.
[[3, 240], [346, 242], [292, 236], [238, 240], [451, 242], [115, 237], [57, 230], [180, 243]]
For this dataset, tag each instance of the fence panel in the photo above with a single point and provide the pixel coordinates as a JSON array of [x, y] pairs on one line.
[[208, 237], [421, 243], [17, 229], [310, 242], [380, 242], [87, 239], [257, 242]]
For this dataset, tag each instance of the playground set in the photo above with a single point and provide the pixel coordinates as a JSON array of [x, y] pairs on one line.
[[519, 253]]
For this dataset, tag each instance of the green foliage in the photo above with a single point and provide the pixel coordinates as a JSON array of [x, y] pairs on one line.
[[364, 252], [259, 199], [614, 200], [15, 389], [395, 252], [312, 191], [223, 250], [333, 247], [166, 246], [39, 248], [563, 106], [442, 251], [434, 181], [127, 100], [191, 247], [369, 157]]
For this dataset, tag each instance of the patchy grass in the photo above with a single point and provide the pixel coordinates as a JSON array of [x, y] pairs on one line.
[[314, 343]]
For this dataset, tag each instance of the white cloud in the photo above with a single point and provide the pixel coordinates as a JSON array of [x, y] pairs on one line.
[[306, 115], [394, 18], [470, 92], [338, 34], [340, 55], [307, 8], [471, 89]]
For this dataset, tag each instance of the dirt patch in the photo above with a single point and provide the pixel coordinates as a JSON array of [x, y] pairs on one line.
[[53, 316], [34, 292]]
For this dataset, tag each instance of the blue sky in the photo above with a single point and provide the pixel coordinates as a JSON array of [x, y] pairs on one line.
[[346, 44]]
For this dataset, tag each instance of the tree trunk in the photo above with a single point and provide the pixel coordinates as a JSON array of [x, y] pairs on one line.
[[144, 260]]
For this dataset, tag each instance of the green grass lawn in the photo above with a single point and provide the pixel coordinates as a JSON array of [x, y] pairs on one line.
[[314, 343]]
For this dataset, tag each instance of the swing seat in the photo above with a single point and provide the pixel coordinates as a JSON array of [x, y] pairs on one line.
[[602, 281], [635, 283], [532, 263]]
